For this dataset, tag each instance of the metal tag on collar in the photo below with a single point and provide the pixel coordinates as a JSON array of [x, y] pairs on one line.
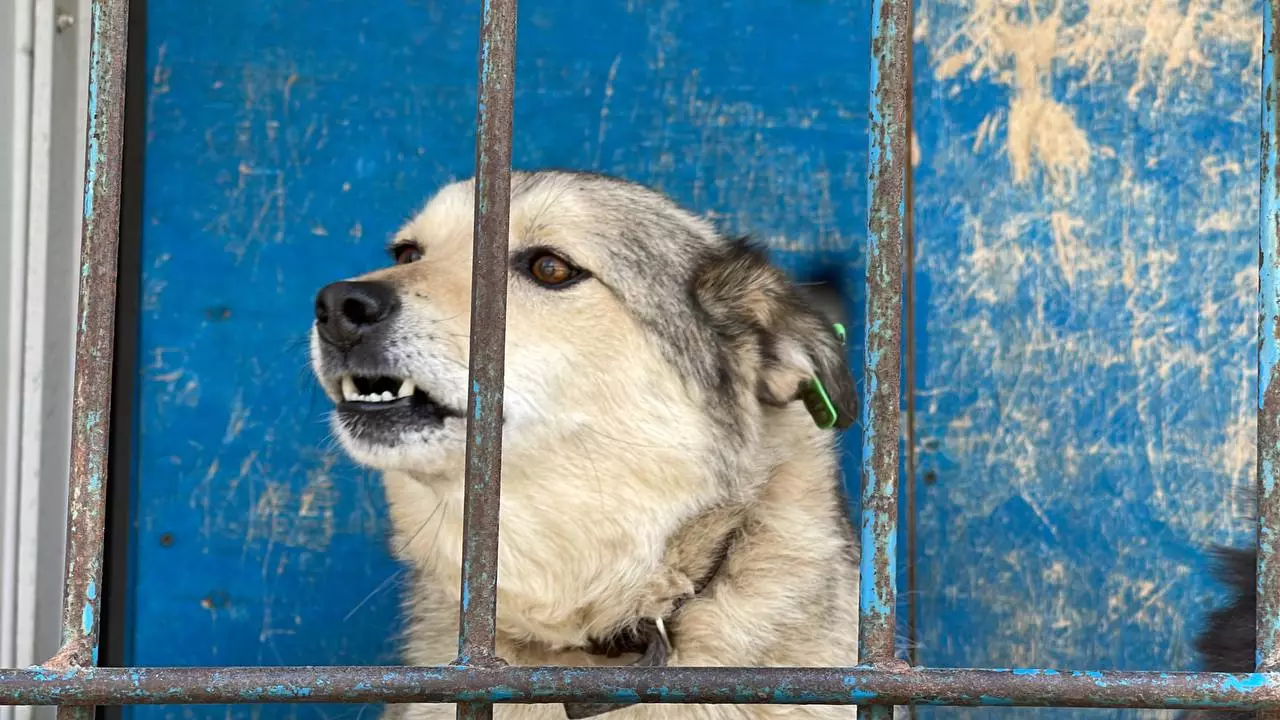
[[815, 397], [656, 653]]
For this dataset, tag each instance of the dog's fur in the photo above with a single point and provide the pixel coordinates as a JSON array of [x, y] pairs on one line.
[[653, 440], [1227, 641]]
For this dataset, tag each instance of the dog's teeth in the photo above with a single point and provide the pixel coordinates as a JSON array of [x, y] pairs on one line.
[[350, 393]]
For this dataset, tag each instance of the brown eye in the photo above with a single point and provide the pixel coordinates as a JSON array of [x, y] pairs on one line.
[[550, 270], [406, 253]]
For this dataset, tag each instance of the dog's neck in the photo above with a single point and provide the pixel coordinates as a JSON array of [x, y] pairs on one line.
[[590, 549], [653, 638], [582, 566], [694, 559]]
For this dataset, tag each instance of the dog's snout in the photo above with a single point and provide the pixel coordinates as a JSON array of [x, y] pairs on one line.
[[345, 311]]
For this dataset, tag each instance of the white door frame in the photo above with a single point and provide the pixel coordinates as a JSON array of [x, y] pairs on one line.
[[43, 76]]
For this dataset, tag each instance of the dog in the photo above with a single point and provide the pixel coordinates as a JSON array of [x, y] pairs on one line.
[[1227, 642], [670, 486]]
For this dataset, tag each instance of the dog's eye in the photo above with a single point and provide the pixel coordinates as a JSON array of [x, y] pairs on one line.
[[406, 253], [550, 270]]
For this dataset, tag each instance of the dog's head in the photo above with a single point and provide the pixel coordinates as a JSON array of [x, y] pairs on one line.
[[628, 318]]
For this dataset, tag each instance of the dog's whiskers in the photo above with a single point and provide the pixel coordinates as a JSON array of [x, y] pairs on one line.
[[425, 523], [381, 586], [595, 472]]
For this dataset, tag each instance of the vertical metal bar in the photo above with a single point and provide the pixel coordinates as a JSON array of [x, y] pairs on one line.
[[95, 336], [494, 109], [888, 170], [1268, 587]]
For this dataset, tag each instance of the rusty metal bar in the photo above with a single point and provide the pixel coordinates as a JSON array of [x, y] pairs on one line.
[[889, 166], [631, 684], [477, 604], [1268, 587], [95, 344]]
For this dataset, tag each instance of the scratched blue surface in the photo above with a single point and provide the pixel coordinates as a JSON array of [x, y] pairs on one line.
[[287, 140], [1087, 212], [1085, 202]]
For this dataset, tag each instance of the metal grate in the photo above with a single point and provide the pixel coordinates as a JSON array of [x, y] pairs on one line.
[[478, 678]]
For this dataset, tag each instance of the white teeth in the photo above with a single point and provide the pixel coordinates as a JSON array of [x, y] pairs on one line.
[[351, 394]]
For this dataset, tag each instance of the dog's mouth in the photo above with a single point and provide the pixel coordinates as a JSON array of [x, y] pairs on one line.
[[379, 390], [399, 399]]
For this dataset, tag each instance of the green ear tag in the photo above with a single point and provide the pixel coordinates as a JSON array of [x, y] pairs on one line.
[[817, 401]]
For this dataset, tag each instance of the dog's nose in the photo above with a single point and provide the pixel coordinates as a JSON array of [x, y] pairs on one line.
[[345, 311]]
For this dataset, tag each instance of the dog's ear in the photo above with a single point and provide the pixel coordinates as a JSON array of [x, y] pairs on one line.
[[801, 355]]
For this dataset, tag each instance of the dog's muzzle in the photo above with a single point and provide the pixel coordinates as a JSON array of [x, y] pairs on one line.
[[377, 397]]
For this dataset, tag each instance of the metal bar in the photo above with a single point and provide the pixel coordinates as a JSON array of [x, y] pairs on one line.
[[889, 165], [630, 684], [477, 604], [1268, 581], [95, 343]]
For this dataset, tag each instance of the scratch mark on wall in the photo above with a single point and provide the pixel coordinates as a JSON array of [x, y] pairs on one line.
[[298, 519]]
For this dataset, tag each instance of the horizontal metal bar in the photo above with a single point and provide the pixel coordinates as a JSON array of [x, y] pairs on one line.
[[790, 686]]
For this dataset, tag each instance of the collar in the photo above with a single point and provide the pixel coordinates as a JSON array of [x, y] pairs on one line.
[[649, 636]]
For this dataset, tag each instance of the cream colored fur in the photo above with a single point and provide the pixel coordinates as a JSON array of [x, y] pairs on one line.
[[611, 503]]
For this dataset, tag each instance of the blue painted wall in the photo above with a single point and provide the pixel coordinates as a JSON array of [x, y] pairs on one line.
[[1087, 227], [1085, 202]]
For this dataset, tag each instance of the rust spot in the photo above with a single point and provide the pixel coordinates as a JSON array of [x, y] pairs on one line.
[[216, 600], [218, 313]]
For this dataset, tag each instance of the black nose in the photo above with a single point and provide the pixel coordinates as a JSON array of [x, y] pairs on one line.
[[345, 311]]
